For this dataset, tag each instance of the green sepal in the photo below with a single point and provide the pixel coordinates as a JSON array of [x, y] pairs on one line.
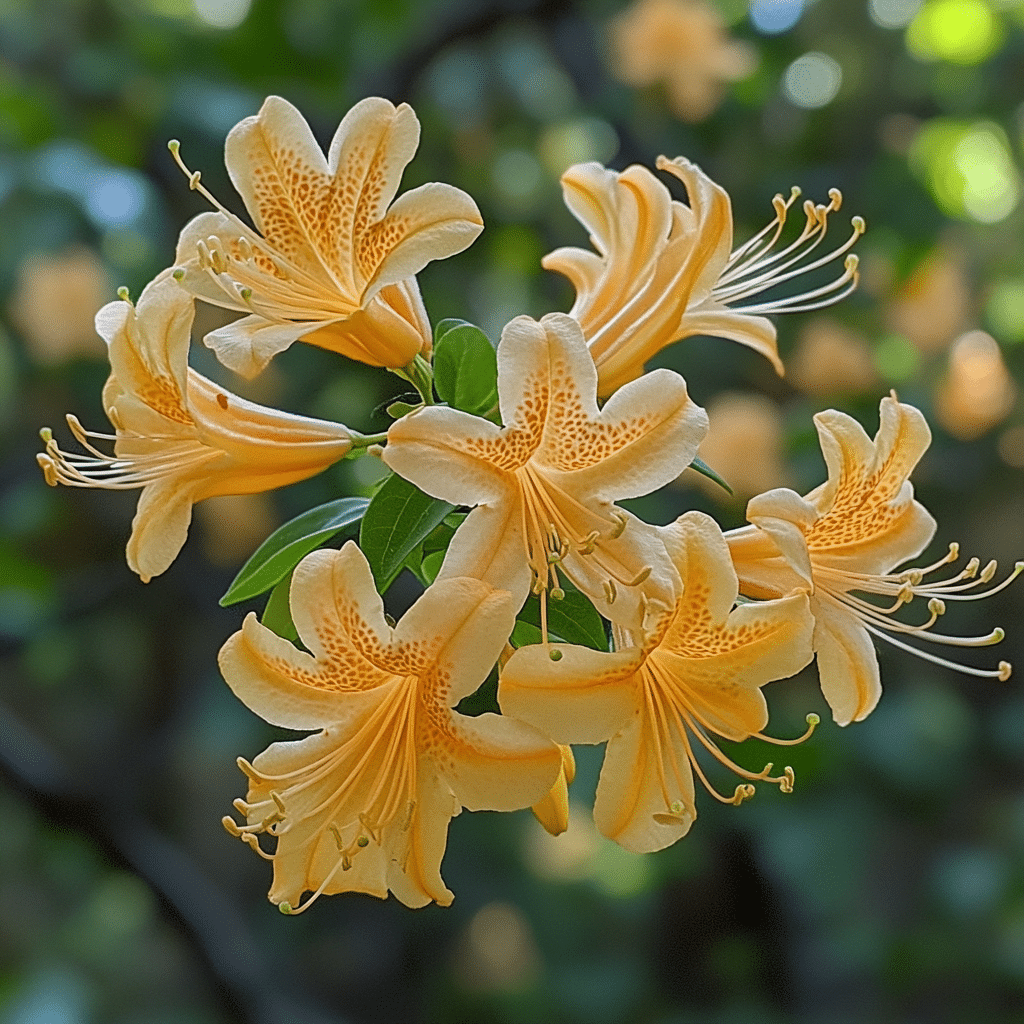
[[289, 544]]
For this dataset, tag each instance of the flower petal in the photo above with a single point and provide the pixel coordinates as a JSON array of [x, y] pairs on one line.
[[583, 697], [160, 526], [640, 780], [500, 764], [847, 663]]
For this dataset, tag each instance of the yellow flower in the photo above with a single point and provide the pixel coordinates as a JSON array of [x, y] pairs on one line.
[[682, 43], [363, 804], [844, 539], [332, 260], [663, 269], [55, 305], [179, 436], [544, 483], [697, 673]]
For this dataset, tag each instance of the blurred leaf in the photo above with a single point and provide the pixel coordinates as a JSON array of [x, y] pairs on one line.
[[465, 367], [398, 518], [278, 614], [705, 470], [286, 546]]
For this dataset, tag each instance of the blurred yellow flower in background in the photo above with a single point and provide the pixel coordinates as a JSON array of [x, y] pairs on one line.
[[832, 359], [744, 446], [977, 391], [933, 304], [54, 305], [682, 44]]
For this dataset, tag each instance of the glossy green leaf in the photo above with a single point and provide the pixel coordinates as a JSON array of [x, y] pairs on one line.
[[289, 544], [465, 367], [396, 521], [573, 620], [277, 616]]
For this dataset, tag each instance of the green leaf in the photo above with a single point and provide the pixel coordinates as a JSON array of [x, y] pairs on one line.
[[705, 470], [397, 519], [573, 620], [289, 544], [277, 616], [465, 367]]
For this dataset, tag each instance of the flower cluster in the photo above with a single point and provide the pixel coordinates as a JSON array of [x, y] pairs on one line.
[[596, 626]]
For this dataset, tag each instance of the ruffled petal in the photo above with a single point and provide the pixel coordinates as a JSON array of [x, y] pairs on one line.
[[160, 526]]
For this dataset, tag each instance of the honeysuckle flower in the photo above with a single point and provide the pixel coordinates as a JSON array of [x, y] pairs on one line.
[[553, 810], [844, 539], [332, 259], [665, 270], [363, 804], [697, 673], [544, 484], [178, 436]]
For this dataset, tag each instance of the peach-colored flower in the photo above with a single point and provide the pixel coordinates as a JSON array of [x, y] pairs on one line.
[[544, 483], [684, 44], [363, 804], [55, 304], [977, 392], [832, 359], [179, 436], [665, 270], [332, 259], [933, 304], [698, 672], [844, 539], [744, 446]]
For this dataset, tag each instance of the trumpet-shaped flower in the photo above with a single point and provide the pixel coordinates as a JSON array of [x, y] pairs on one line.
[[179, 436], [843, 540], [544, 483], [697, 673], [665, 270], [332, 258], [363, 804]]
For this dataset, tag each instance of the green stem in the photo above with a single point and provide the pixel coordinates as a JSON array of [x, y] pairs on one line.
[[420, 374]]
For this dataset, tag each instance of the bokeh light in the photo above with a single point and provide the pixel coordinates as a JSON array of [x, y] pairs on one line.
[[893, 13], [958, 31], [773, 17], [812, 80], [968, 168]]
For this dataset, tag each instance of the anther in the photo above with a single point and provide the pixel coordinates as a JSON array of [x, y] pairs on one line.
[[787, 780], [971, 568], [285, 908], [178, 274], [123, 294], [610, 592], [937, 607], [173, 145], [640, 576], [231, 827], [677, 807], [363, 842], [556, 594], [555, 655], [193, 180], [1005, 671], [989, 571], [621, 522], [859, 225], [46, 434]]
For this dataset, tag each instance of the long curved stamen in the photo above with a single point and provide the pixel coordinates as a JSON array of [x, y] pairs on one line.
[[112, 472], [750, 270], [837, 585]]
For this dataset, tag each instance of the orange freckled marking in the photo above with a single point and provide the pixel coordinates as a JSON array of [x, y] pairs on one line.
[[161, 394]]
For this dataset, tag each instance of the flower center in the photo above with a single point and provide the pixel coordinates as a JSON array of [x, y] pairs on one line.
[[559, 533]]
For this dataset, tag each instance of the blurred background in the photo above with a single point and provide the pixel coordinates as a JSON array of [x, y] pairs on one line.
[[888, 887]]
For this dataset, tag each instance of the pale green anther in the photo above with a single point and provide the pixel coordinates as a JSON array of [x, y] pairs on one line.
[[556, 594], [362, 842], [124, 294], [555, 655]]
